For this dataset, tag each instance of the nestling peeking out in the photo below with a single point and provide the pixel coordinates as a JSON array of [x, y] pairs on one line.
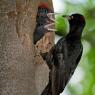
[[43, 22]]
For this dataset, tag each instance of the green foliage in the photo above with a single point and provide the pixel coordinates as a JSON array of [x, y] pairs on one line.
[[61, 25]]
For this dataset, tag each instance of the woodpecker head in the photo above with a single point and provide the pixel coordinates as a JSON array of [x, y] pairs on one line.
[[43, 8], [76, 19]]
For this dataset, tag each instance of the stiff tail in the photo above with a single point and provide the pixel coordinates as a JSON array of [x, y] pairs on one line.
[[47, 90]]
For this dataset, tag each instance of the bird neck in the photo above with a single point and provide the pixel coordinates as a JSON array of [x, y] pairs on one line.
[[76, 32]]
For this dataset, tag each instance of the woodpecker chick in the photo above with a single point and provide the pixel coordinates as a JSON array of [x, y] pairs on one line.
[[42, 19], [65, 56]]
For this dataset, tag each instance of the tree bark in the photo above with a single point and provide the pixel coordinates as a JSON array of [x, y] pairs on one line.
[[21, 73]]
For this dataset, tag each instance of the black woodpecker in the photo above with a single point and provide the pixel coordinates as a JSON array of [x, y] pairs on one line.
[[64, 57], [41, 20]]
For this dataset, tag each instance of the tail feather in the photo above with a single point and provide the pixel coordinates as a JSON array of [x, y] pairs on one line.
[[47, 90]]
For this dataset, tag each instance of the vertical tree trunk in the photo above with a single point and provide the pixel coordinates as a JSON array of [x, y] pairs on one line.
[[19, 73]]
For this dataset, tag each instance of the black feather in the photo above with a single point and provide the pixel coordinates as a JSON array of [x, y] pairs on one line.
[[65, 57]]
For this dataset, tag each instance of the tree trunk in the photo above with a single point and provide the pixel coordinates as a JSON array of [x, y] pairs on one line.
[[21, 71]]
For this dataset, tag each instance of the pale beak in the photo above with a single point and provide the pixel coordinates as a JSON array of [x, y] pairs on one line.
[[52, 15], [67, 17], [51, 25]]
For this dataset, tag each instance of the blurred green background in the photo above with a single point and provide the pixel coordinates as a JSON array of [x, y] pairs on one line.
[[83, 80]]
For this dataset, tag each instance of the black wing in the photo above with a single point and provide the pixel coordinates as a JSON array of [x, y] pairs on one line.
[[39, 33], [61, 74]]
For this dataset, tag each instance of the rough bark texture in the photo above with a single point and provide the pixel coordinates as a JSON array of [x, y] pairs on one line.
[[19, 73]]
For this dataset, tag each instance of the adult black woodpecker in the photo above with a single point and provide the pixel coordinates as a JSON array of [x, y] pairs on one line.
[[64, 57], [42, 20]]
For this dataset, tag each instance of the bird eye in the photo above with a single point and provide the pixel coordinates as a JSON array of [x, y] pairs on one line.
[[72, 17]]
